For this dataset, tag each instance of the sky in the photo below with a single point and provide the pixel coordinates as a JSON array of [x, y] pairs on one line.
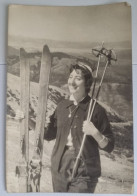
[[79, 24]]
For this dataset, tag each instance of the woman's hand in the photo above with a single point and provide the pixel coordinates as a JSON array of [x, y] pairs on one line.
[[90, 129], [19, 115]]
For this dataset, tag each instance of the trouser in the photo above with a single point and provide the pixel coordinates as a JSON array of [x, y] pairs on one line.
[[80, 184]]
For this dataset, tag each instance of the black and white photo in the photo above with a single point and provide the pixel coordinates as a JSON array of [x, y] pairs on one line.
[[69, 121]]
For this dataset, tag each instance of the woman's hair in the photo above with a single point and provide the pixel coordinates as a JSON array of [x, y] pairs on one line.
[[86, 74]]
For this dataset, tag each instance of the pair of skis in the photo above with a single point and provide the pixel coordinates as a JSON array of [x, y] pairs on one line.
[[29, 172]]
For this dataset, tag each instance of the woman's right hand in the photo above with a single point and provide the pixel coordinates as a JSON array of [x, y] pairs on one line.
[[19, 115]]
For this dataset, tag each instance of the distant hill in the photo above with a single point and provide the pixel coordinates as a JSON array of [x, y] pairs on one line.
[[55, 96], [12, 51], [120, 72], [33, 43], [61, 63]]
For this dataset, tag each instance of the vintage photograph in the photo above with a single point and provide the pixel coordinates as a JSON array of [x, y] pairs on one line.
[[69, 125]]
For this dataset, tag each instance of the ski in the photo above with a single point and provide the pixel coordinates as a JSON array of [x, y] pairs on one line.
[[35, 166], [22, 168]]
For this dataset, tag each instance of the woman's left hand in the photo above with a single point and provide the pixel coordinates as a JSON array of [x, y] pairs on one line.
[[89, 128]]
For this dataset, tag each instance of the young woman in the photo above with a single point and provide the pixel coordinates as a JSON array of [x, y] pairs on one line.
[[67, 125]]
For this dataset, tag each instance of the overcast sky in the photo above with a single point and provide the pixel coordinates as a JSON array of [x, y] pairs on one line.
[[91, 23]]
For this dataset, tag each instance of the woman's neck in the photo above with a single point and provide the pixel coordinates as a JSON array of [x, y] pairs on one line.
[[79, 98]]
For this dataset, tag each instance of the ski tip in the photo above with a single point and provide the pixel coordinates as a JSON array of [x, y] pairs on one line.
[[46, 49], [22, 52]]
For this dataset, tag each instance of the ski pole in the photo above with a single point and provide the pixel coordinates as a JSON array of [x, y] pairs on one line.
[[109, 58], [94, 85], [90, 115], [90, 106], [90, 112], [95, 78]]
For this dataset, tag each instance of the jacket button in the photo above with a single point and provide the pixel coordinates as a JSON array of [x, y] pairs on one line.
[[76, 116], [75, 126]]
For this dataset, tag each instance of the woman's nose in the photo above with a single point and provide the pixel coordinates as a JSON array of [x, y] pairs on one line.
[[72, 81]]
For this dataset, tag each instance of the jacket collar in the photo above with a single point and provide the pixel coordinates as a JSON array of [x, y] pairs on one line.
[[82, 104]]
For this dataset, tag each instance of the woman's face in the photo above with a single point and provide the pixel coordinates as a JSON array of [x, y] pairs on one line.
[[76, 84]]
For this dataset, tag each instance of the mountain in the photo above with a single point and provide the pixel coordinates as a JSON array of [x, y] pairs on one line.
[[13, 51], [28, 42], [61, 63], [55, 96], [120, 72]]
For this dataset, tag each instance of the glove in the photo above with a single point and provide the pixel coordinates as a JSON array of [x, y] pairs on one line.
[[89, 128], [19, 115]]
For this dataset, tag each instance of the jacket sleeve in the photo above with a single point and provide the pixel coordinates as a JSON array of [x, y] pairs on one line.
[[51, 130], [105, 129]]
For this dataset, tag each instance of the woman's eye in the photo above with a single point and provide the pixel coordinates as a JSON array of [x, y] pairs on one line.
[[70, 77]]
